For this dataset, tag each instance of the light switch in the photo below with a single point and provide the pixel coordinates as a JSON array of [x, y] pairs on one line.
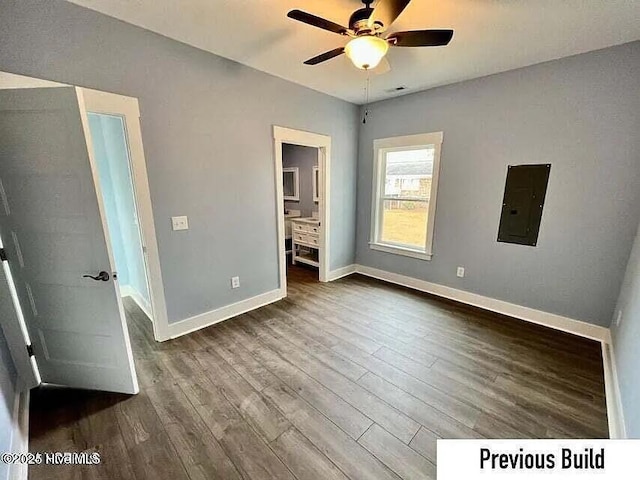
[[180, 223]]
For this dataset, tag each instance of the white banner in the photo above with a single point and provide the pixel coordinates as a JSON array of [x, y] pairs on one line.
[[535, 459]]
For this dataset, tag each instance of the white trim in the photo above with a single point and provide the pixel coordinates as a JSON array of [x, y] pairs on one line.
[[300, 137], [212, 317], [398, 250], [280, 229], [20, 435], [402, 141], [323, 144], [615, 412], [113, 104], [145, 306], [324, 163], [341, 272], [558, 322], [382, 146]]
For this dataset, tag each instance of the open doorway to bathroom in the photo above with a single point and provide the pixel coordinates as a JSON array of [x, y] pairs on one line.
[[300, 173], [302, 164]]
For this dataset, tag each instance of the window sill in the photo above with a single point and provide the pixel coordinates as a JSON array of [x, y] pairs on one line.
[[407, 252]]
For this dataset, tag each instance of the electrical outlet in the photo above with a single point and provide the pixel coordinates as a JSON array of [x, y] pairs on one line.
[[460, 272], [235, 282], [619, 318], [180, 223]]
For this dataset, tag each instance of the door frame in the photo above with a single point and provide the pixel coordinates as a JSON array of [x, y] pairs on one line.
[[95, 101], [323, 144]]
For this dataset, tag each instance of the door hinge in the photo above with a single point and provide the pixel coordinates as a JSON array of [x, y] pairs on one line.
[[30, 350], [3, 255]]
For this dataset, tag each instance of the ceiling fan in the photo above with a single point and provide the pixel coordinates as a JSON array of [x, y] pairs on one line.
[[367, 47]]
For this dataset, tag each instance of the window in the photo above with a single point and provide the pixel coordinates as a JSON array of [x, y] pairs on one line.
[[291, 184], [404, 194]]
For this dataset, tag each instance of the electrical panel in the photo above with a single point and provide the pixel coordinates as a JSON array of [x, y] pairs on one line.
[[522, 205]]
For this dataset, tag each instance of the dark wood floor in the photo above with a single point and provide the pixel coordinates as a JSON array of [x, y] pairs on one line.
[[352, 379]]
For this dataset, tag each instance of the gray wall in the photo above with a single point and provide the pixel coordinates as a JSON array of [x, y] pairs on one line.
[[305, 158], [207, 132], [582, 115], [626, 342], [7, 400]]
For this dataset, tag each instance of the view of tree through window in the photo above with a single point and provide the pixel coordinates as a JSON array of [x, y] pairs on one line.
[[405, 197]]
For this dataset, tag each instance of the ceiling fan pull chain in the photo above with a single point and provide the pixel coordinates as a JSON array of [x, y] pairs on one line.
[[366, 103]]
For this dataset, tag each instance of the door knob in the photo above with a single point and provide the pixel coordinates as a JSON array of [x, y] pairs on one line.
[[102, 276]]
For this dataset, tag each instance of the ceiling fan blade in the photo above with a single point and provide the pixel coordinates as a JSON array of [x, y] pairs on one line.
[[383, 67], [325, 56], [319, 22], [421, 38], [385, 13]]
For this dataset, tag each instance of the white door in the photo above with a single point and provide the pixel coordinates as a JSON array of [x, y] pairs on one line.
[[51, 221], [12, 328]]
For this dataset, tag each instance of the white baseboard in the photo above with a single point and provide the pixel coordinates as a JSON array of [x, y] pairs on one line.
[[20, 436], [129, 291], [615, 412], [558, 322], [212, 317], [341, 272]]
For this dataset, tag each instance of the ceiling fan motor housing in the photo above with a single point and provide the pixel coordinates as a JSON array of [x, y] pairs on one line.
[[358, 22]]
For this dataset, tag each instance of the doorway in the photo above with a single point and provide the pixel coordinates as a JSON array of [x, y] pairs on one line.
[[300, 181], [121, 179], [302, 165], [108, 134]]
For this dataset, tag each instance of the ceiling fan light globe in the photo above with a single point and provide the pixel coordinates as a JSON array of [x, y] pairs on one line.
[[366, 51]]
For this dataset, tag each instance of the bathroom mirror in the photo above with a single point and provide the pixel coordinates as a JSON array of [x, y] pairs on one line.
[[291, 183]]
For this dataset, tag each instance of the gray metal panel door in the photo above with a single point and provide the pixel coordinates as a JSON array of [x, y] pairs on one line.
[[54, 233]]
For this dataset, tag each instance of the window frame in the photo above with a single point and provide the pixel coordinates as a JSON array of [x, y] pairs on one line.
[[381, 147]]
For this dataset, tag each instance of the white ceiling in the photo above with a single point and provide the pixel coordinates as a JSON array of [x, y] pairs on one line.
[[490, 36]]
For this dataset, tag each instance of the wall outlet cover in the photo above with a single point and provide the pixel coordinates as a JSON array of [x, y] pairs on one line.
[[460, 272], [235, 282], [180, 223]]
